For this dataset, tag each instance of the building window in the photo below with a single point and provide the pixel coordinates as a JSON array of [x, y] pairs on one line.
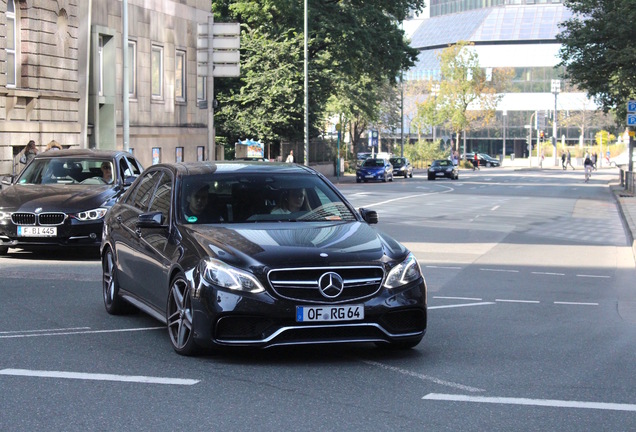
[[180, 76], [100, 60], [201, 89], [132, 69], [157, 72], [156, 155], [178, 155], [11, 44], [200, 153]]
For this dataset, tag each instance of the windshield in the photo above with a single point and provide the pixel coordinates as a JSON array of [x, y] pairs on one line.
[[397, 162], [259, 197], [373, 163], [68, 171]]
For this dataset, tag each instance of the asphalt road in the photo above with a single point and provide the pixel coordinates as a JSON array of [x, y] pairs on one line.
[[532, 322]]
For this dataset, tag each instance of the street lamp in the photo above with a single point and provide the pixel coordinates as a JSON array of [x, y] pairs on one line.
[[556, 88], [306, 73], [434, 92], [505, 117]]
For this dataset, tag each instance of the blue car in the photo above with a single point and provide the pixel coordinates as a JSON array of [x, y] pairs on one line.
[[375, 169]]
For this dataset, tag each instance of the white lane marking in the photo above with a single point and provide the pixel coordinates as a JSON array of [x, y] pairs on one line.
[[549, 273], [499, 270], [517, 301], [80, 332], [532, 402], [449, 189], [97, 377], [458, 298], [494, 208], [444, 267], [593, 276], [44, 330], [575, 303], [423, 377], [461, 305]]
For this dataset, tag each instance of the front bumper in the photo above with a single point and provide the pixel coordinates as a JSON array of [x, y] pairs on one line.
[[224, 318], [71, 233]]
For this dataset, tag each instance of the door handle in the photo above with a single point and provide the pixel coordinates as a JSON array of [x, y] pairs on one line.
[[138, 232]]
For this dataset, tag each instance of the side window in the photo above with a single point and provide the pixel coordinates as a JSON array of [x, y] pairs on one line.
[[134, 167], [140, 197], [161, 199]]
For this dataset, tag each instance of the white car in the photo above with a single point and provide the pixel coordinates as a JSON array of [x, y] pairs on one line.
[[622, 159]]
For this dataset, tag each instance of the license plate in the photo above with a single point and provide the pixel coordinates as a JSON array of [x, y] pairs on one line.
[[329, 313], [369, 176], [37, 231], [439, 173]]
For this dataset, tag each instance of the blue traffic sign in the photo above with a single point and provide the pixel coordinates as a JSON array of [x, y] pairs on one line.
[[631, 106], [631, 119]]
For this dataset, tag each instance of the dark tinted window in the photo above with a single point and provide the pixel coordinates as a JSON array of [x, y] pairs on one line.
[[161, 198], [140, 197]]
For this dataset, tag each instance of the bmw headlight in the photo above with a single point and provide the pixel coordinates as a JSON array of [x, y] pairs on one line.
[[5, 215], [90, 215], [403, 273], [221, 274]]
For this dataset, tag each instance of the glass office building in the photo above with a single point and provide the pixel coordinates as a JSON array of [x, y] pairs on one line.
[[513, 34]]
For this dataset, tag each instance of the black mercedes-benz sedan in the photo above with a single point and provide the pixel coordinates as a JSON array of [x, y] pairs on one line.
[[257, 254], [62, 196]]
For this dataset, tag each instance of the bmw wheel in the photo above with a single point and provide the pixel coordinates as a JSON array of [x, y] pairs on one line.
[[179, 316], [4, 250], [114, 304]]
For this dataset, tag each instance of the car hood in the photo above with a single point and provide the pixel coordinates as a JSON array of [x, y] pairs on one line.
[[66, 198], [310, 244]]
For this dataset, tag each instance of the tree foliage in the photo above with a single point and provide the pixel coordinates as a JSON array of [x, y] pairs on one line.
[[351, 43], [468, 98], [598, 51]]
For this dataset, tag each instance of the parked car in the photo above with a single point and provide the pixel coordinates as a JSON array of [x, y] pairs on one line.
[[374, 169], [253, 273], [442, 168], [401, 167], [61, 198], [484, 159]]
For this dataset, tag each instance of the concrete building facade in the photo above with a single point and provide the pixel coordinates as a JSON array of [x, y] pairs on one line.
[[61, 77]]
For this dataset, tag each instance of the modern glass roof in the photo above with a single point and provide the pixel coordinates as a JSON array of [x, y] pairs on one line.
[[501, 23]]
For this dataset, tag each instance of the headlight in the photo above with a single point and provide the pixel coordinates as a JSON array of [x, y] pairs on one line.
[[5, 215], [403, 273], [226, 276], [94, 214]]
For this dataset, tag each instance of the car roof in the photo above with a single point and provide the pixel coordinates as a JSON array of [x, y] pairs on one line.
[[239, 167], [85, 153]]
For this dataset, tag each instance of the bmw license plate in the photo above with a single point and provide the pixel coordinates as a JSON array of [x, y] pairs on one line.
[[36, 231], [329, 313]]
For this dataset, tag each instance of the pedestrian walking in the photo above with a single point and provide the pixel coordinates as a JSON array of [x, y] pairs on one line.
[[587, 165], [290, 157], [476, 162], [29, 152], [594, 159], [563, 160], [568, 160]]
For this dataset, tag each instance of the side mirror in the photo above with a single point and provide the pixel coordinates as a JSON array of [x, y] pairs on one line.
[[7, 180], [150, 220], [129, 180], [369, 216]]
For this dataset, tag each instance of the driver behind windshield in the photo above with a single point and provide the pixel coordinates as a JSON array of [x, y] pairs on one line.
[[107, 172], [292, 200]]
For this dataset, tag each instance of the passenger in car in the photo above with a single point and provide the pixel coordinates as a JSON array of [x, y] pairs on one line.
[[107, 172], [292, 200], [197, 209]]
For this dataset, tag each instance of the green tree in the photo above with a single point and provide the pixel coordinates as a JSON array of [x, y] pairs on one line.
[[598, 51], [349, 41], [467, 99]]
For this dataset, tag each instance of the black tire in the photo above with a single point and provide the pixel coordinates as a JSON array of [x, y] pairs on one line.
[[4, 250], [431, 177], [391, 179], [411, 175], [180, 317], [384, 178], [357, 180], [114, 304], [399, 345]]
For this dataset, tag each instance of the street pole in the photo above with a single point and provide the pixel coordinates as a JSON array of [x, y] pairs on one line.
[[505, 117], [306, 67], [556, 88], [125, 88], [402, 114]]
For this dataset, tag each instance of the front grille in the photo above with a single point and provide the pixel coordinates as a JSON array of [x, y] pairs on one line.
[[51, 218], [301, 284], [23, 218], [47, 219]]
